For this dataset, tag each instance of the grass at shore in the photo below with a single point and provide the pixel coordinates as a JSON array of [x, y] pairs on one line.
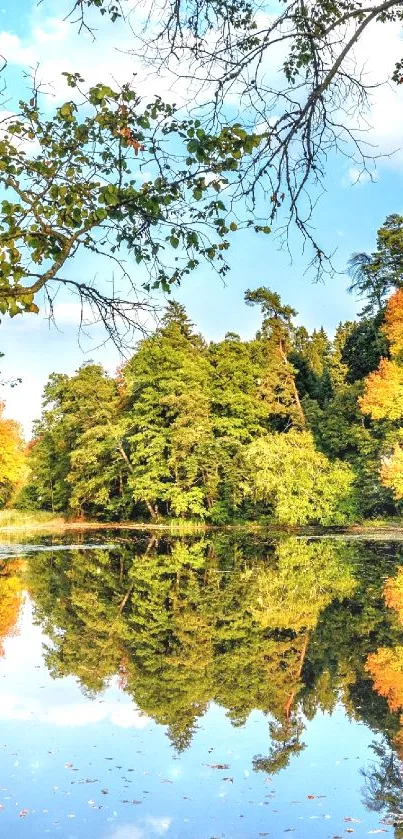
[[43, 521], [26, 519], [379, 524], [40, 521]]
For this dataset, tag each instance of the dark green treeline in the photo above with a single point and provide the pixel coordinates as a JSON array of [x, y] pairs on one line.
[[269, 427]]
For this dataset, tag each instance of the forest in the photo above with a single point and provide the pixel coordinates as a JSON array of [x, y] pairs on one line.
[[289, 427]]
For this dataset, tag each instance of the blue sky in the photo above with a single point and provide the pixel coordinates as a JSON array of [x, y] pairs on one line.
[[346, 220]]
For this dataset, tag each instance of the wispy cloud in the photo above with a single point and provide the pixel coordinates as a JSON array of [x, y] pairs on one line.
[[147, 827], [355, 175], [72, 715], [52, 43]]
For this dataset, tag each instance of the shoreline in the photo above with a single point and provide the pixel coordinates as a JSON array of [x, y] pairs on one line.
[[384, 530]]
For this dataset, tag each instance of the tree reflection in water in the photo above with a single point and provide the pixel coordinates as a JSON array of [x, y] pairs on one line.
[[288, 627]]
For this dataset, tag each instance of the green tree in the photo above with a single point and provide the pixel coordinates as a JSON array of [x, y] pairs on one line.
[[375, 275], [364, 347], [170, 440], [299, 484], [77, 461], [186, 622], [278, 385], [238, 414], [311, 356]]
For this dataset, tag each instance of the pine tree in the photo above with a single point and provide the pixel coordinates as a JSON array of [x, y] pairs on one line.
[[278, 386]]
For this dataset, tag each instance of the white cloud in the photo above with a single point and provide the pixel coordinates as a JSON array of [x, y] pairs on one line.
[[14, 51], [72, 314], [54, 44], [23, 402], [160, 826], [62, 705], [377, 53], [126, 831], [355, 175], [72, 715], [152, 827]]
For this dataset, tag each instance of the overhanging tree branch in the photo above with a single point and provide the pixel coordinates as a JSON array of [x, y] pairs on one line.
[[294, 73]]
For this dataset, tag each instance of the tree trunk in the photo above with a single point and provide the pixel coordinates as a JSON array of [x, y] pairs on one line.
[[294, 386], [150, 509], [291, 698]]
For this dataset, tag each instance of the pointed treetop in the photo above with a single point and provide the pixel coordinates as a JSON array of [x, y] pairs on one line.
[[275, 313], [175, 314]]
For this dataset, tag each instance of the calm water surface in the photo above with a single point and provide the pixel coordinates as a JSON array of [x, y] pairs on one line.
[[223, 686]]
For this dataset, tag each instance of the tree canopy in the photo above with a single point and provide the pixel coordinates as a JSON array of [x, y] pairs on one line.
[[130, 180], [291, 427], [156, 189]]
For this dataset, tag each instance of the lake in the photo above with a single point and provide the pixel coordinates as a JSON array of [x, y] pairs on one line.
[[223, 685]]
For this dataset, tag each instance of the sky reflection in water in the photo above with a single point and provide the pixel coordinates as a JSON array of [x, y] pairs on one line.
[[200, 689]]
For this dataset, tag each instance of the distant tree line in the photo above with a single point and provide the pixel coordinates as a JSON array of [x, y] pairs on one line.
[[289, 425]]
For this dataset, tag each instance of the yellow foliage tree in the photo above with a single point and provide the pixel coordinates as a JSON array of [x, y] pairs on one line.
[[386, 669], [10, 599], [392, 471], [393, 594], [11, 456]]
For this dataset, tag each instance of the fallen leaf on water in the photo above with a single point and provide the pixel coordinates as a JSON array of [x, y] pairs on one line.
[[217, 765], [128, 801]]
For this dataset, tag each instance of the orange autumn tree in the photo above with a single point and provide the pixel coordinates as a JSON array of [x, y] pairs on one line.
[[11, 456], [394, 324], [385, 666], [383, 393]]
